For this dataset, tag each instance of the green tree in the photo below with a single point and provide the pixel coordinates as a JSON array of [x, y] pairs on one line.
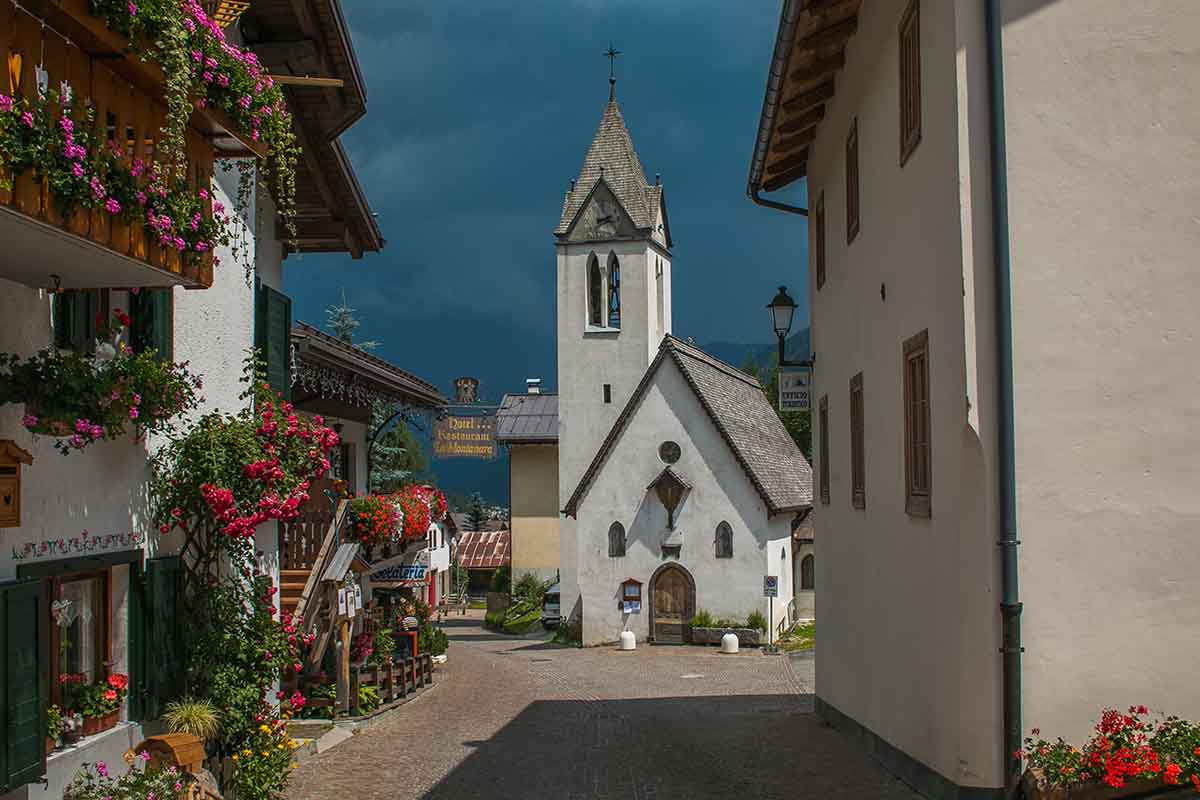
[[797, 423], [342, 322], [475, 517], [398, 458]]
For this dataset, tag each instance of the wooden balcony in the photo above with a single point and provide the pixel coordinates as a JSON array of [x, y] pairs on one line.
[[94, 249]]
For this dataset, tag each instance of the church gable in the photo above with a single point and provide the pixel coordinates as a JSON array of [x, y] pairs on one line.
[[601, 217]]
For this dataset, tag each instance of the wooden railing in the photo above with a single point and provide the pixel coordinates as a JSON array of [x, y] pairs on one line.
[[301, 539], [394, 681], [126, 114]]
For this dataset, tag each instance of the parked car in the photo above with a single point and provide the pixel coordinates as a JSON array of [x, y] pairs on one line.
[[551, 608]]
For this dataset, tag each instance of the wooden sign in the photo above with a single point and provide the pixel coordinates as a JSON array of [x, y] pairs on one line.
[[11, 459], [465, 437]]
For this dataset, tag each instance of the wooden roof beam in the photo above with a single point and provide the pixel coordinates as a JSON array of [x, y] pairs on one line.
[[788, 163], [837, 34], [806, 100], [779, 181], [806, 120], [787, 144], [819, 68]]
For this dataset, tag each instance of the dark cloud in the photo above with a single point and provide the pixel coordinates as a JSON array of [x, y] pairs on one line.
[[479, 114]]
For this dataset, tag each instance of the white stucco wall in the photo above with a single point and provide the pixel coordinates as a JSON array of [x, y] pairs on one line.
[[1103, 130], [720, 492], [589, 358], [908, 606]]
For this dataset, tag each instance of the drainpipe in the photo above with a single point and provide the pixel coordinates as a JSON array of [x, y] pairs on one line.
[[1010, 605]]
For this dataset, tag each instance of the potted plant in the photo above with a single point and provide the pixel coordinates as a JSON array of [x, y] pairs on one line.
[[100, 703], [55, 723], [373, 520]]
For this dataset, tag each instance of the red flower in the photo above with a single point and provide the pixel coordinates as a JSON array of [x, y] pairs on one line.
[[1171, 774], [122, 317]]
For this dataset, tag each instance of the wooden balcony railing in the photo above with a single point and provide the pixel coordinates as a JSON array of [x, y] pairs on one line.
[[126, 96]]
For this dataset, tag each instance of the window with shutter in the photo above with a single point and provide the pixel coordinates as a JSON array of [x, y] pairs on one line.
[[77, 314], [156, 651], [153, 316], [918, 471], [819, 239], [22, 685], [852, 184], [823, 454], [273, 335], [858, 466]]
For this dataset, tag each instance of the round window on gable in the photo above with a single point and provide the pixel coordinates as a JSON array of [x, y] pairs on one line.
[[669, 452]]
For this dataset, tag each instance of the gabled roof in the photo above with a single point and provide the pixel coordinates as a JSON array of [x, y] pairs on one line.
[[484, 549], [738, 407], [527, 419], [613, 157]]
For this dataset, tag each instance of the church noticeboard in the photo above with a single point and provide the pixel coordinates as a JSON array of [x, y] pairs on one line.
[[795, 389], [465, 437]]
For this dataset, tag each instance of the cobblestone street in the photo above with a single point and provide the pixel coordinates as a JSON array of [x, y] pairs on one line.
[[518, 718]]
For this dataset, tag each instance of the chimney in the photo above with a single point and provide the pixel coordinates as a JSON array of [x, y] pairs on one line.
[[533, 386]]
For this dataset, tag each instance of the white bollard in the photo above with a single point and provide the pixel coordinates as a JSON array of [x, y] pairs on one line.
[[729, 643], [628, 641]]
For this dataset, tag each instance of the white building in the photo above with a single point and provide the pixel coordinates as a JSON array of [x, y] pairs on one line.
[[688, 503], [642, 413], [1001, 201]]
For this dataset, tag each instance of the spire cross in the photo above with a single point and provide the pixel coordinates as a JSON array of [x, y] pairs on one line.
[[612, 54]]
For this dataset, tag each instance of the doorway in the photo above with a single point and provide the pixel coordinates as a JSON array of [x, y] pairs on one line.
[[672, 605]]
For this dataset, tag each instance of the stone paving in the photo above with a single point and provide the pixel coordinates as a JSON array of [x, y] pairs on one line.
[[520, 718]]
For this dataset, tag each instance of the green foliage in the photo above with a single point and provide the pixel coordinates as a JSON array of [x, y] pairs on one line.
[[432, 640], [702, 619], [1177, 742], [96, 782], [493, 620], [384, 646], [264, 761], [797, 423], [368, 698], [530, 587], [756, 620], [567, 635], [200, 718], [800, 637], [54, 722], [476, 516], [398, 457], [72, 396], [342, 322], [501, 580], [523, 622]]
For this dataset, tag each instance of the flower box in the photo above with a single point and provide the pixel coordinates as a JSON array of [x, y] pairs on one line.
[[1036, 787], [750, 637], [94, 725]]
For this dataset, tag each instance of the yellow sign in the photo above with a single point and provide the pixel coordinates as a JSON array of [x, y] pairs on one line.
[[465, 437]]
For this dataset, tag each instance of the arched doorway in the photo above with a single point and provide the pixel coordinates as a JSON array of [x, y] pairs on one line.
[[672, 604]]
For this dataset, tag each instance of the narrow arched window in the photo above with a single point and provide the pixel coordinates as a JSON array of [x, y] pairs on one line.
[[616, 540], [724, 541], [614, 291], [808, 579], [595, 292]]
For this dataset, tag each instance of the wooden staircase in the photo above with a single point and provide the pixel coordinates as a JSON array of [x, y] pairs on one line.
[[305, 544]]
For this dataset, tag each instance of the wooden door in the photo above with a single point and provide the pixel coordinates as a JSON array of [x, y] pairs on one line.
[[672, 606]]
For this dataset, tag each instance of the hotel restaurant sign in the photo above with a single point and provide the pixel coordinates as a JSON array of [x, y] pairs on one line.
[[465, 437]]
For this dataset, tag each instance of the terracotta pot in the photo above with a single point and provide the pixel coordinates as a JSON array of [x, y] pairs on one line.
[[51, 745], [94, 725]]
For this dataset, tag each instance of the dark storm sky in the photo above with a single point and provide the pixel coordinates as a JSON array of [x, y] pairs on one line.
[[479, 114]]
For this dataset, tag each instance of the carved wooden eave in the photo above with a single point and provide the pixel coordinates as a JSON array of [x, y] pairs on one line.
[[11, 453], [810, 51]]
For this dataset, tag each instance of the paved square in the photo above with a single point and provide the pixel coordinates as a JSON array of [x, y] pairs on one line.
[[517, 718]]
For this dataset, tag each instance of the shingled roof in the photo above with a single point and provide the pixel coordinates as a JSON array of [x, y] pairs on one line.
[[613, 159], [737, 405], [527, 419]]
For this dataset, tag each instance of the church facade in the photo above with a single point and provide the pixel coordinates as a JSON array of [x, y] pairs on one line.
[[678, 483]]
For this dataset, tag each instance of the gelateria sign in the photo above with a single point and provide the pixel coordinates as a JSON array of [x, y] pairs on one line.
[[465, 437]]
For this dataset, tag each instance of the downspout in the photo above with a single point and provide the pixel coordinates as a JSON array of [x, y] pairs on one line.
[[1010, 605], [788, 18]]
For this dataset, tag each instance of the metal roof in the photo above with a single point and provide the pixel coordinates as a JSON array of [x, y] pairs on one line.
[[484, 549], [527, 419]]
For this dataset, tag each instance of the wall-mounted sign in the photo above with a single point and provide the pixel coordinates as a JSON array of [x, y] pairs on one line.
[[770, 586], [343, 603], [400, 572], [631, 596], [795, 389], [466, 390], [465, 437]]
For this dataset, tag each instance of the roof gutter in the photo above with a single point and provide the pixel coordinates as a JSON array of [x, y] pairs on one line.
[[771, 102], [1010, 604]]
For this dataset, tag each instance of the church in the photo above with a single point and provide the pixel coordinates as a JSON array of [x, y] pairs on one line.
[[678, 484]]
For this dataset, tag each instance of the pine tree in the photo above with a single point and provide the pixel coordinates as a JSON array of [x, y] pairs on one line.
[[398, 458], [476, 517], [797, 423], [342, 322]]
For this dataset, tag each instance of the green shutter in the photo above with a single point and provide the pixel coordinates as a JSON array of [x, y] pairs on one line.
[[163, 651], [273, 337], [136, 652], [152, 312], [75, 319], [22, 685]]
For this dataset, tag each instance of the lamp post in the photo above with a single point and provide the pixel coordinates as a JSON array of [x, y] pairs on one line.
[[782, 308]]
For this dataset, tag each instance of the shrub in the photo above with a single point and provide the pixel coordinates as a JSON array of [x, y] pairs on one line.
[[493, 619], [757, 621], [530, 587], [432, 640], [94, 782], [702, 619], [200, 718], [385, 645], [501, 579], [368, 699]]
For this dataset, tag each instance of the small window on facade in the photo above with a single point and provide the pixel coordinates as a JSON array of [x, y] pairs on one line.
[[608, 392], [669, 452], [917, 468], [808, 577], [819, 240], [616, 541], [858, 467], [724, 541], [595, 292], [80, 317], [852, 198], [910, 80], [614, 291], [823, 454]]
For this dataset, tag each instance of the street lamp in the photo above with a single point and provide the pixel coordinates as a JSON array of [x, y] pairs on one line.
[[782, 308]]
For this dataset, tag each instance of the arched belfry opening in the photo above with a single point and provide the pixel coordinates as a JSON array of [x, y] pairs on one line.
[[595, 290]]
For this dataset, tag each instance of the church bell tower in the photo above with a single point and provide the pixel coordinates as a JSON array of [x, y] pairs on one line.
[[613, 248]]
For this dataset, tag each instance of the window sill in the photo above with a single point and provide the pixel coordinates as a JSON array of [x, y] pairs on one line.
[[594, 330], [121, 729]]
